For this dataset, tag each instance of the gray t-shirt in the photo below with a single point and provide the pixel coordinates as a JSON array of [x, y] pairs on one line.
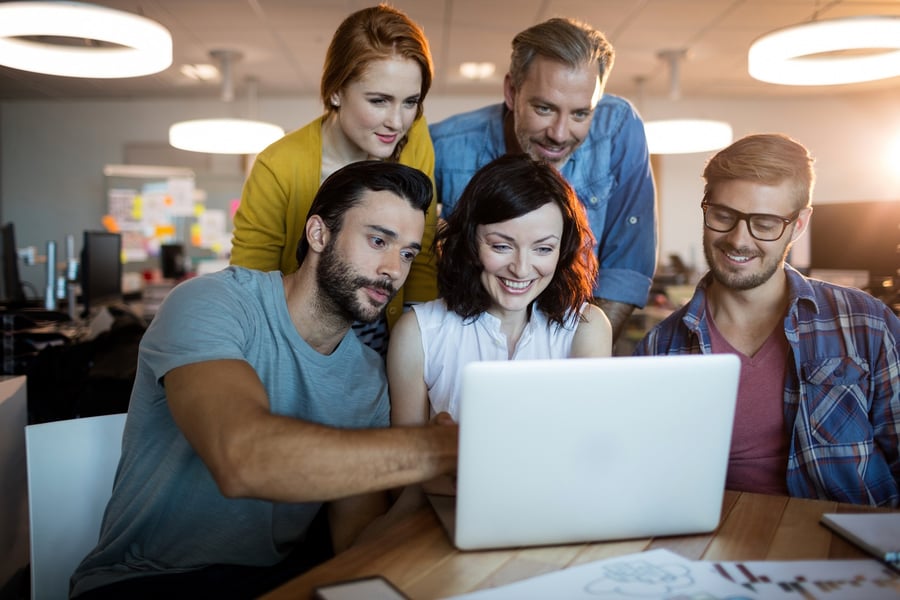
[[166, 513]]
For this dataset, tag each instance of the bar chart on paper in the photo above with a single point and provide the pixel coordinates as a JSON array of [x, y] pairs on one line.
[[814, 580]]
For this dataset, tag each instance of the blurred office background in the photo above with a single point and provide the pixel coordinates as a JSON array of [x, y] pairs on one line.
[[57, 134]]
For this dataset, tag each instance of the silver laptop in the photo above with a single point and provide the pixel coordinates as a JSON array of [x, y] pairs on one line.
[[576, 450]]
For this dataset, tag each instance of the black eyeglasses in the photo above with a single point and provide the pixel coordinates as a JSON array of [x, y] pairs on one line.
[[765, 228]]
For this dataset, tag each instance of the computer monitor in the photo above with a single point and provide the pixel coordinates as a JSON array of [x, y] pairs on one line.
[[12, 294], [101, 270], [171, 258], [856, 236]]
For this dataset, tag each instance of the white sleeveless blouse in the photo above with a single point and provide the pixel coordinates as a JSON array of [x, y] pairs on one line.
[[449, 344]]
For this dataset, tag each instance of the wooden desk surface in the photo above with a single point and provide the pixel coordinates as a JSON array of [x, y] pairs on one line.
[[416, 555]]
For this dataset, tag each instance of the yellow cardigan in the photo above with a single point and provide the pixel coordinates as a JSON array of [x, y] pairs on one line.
[[279, 192]]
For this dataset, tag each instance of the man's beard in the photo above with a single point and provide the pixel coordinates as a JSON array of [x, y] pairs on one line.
[[529, 146], [746, 281], [339, 285]]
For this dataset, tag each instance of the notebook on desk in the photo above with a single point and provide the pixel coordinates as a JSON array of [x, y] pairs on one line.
[[566, 451]]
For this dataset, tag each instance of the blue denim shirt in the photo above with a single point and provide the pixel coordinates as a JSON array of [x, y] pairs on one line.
[[841, 390], [610, 172]]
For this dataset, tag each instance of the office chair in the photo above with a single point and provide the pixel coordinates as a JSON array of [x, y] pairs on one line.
[[71, 466]]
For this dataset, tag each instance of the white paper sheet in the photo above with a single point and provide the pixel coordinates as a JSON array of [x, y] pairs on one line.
[[657, 574], [814, 579], [664, 575]]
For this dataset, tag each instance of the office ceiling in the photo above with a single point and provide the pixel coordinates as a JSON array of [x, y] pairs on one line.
[[283, 43]]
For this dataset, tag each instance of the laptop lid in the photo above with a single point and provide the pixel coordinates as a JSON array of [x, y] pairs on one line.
[[575, 450]]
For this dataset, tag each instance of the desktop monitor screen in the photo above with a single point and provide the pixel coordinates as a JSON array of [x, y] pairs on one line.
[[101, 270], [862, 236], [11, 292]]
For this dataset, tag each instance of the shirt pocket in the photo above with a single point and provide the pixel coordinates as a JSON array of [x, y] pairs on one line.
[[595, 198], [596, 191], [837, 396]]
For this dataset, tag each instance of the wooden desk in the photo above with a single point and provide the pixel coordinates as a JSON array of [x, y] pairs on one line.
[[416, 555]]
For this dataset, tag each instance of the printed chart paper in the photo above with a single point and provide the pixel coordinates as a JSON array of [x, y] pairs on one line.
[[814, 579], [664, 575]]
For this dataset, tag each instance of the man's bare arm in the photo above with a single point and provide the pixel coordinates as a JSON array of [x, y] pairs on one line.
[[222, 408], [617, 313]]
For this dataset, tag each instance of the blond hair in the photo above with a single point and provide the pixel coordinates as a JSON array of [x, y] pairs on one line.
[[767, 158]]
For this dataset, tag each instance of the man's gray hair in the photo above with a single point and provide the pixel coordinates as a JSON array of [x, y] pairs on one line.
[[568, 41]]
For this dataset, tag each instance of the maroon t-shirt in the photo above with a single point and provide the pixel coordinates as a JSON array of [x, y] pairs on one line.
[[759, 439]]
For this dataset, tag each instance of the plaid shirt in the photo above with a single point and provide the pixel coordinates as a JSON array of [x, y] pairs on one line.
[[841, 399]]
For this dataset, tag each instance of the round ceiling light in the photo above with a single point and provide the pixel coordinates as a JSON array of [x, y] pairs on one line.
[[123, 44], [685, 136], [798, 55], [477, 70], [224, 136]]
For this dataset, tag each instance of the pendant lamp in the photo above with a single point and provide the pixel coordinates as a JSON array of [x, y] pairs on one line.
[[828, 52], [226, 135], [684, 136], [110, 43]]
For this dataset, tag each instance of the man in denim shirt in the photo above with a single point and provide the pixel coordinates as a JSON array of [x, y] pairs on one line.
[[818, 408], [555, 110]]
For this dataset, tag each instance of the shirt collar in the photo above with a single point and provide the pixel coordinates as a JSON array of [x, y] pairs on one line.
[[799, 289], [511, 143]]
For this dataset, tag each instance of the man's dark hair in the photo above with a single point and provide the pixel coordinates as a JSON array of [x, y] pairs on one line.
[[506, 188], [344, 189]]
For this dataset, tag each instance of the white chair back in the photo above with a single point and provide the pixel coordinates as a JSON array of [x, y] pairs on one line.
[[71, 466]]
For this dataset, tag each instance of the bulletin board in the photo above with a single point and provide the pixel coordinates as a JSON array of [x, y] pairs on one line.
[[155, 205]]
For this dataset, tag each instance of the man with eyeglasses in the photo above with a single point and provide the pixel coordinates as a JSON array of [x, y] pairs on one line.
[[818, 408]]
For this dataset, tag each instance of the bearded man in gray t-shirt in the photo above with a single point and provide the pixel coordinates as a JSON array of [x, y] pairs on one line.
[[254, 404]]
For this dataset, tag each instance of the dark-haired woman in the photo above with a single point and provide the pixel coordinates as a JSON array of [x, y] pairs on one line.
[[516, 267]]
